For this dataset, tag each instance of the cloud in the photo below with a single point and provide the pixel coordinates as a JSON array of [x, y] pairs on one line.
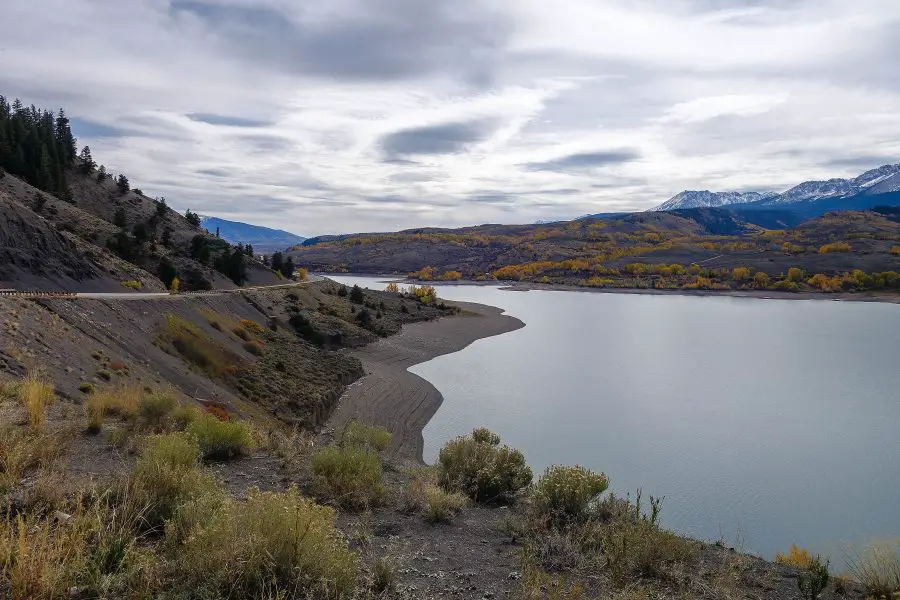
[[586, 160], [212, 119], [361, 115], [447, 138]]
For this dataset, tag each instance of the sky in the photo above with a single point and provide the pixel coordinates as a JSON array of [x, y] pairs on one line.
[[336, 116]]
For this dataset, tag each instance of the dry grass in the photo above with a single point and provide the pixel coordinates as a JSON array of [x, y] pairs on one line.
[[272, 541], [351, 476], [21, 451], [188, 341], [435, 504], [357, 433], [877, 568], [36, 394], [221, 440]]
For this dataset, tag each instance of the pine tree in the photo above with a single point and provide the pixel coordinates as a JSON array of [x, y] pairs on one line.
[[102, 175], [288, 269], [122, 185], [87, 165], [277, 262], [192, 218]]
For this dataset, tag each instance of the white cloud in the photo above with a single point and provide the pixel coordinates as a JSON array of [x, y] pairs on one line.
[[283, 114]]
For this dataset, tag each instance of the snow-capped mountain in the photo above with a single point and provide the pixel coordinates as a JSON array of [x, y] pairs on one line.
[[707, 199], [877, 181]]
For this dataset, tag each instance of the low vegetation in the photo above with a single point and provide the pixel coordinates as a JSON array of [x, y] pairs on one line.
[[356, 433], [221, 440], [565, 494], [351, 476], [36, 394], [479, 467], [877, 568]]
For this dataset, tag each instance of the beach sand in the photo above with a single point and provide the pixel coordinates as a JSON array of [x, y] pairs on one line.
[[403, 403]]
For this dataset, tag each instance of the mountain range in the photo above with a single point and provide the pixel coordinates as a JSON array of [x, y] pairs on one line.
[[262, 239], [860, 192]]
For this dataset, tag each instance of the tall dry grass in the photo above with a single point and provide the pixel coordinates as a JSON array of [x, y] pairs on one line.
[[36, 394], [877, 568]]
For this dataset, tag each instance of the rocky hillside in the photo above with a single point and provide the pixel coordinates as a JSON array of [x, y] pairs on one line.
[[69, 224]]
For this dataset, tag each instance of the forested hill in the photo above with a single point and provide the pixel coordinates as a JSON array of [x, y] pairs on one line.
[[68, 223], [705, 248]]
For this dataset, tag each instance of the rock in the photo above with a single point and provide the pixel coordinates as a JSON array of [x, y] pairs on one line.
[[62, 517]]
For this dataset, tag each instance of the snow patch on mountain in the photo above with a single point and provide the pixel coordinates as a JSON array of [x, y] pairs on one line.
[[707, 199]]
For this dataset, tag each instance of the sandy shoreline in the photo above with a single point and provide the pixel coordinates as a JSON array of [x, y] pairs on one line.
[[392, 397]]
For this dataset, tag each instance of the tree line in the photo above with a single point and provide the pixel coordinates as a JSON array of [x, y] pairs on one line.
[[37, 145]]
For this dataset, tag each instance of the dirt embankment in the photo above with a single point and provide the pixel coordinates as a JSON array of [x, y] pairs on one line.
[[403, 403]]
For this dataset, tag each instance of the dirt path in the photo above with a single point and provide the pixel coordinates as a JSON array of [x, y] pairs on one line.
[[394, 398]]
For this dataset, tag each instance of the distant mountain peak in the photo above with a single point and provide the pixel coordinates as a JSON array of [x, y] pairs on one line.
[[708, 199], [881, 180]]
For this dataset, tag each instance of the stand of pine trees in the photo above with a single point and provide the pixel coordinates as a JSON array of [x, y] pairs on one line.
[[36, 145]]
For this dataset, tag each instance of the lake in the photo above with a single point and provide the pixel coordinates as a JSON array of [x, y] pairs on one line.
[[762, 422]]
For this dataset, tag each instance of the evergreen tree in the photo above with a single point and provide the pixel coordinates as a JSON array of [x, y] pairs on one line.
[[277, 262], [167, 237], [87, 165], [192, 218], [141, 233], [123, 185], [167, 272], [161, 207], [249, 250], [102, 175], [356, 295], [288, 269]]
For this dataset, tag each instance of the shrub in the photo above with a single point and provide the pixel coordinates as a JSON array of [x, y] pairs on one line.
[[21, 451], [104, 375], [796, 557], [481, 468], [221, 440], [167, 475], [441, 506], [563, 494], [877, 568], [132, 284], [96, 413], [271, 541], [118, 366], [306, 330], [636, 548], [814, 579], [795, 275], [384, 575], [36, 394], [242, 333], [253, 326], [895, 250], [255, 348], [155, 408], [190, 343], [356, 433], [835, 247], [349, 475], [86, 388]]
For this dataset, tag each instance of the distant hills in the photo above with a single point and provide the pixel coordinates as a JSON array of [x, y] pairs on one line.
[[808, 199], [262, 239]]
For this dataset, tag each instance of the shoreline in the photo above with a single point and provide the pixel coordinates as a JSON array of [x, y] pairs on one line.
[[526, 286], [390, 396]]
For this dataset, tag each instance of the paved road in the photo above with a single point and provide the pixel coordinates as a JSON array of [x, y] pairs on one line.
[[144, 295]]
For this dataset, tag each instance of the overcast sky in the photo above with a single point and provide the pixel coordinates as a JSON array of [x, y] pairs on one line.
[[322, 116]]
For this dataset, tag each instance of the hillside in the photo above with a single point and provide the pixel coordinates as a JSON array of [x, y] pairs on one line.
[[262, 239], [686, 249], [68, 224]]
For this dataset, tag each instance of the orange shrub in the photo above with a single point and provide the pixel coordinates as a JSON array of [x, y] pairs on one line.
[[835, 247], [796, 557]]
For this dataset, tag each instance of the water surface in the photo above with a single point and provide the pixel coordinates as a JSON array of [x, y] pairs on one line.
[[763, 422]]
